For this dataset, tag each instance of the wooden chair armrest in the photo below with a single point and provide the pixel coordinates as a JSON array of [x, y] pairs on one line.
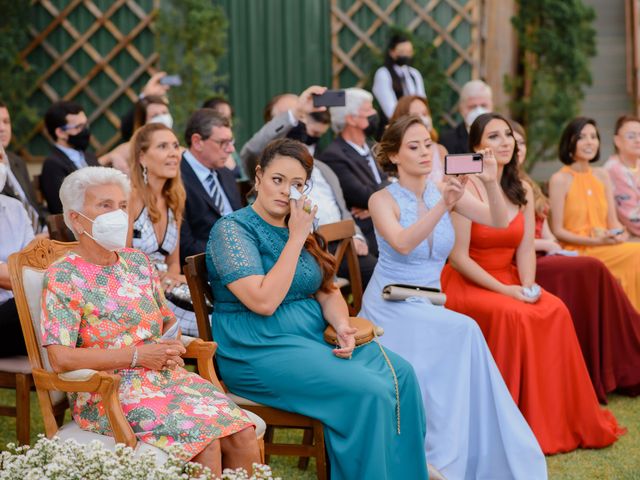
[[106, 384], [203, 353]]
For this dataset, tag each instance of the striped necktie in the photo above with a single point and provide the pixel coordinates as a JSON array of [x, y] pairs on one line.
[[214, 190]]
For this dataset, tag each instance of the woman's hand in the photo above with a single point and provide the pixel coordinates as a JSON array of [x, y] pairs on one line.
[[489, 166], [547, 246], [171, 280], [161, 355], [515, 291], [453, 190], [346, 340], [301, 218]]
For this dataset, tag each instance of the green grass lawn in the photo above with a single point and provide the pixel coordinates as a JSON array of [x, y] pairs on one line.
[[619, 462]]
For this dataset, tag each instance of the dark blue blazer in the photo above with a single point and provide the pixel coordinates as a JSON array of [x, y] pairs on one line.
[[200, 214]]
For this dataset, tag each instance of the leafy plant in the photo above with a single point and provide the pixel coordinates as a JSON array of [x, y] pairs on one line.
[[191, 37], [15, 74], [556, 39]]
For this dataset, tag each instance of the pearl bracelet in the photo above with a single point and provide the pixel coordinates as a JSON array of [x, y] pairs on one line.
[[134, 360]]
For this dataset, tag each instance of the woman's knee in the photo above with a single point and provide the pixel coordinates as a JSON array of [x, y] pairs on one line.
[[244, 439]]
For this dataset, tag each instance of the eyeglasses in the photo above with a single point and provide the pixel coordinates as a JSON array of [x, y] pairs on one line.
[[223, 144], [632, 135]]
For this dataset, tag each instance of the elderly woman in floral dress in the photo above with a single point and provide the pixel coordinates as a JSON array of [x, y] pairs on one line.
[[104, 309]]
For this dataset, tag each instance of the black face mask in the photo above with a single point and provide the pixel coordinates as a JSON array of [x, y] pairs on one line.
[[372, 129], [299, 132], [80, 141], [403, 60]]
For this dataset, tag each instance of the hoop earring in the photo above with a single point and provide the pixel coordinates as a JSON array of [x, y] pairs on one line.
[[145, 176]]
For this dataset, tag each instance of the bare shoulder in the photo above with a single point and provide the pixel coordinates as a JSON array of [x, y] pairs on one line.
[[560, 179], [381, 202]]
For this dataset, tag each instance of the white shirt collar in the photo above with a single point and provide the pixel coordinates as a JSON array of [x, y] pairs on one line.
[[76, 156], [200, 170]]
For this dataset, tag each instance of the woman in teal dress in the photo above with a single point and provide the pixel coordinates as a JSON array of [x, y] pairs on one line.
[[274, 295]]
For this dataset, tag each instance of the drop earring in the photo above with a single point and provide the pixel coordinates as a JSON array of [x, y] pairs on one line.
[[145, 176]]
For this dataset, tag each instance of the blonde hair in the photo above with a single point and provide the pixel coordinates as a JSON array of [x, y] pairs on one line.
[[173, 190]]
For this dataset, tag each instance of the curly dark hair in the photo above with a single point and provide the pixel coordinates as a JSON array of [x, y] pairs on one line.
[[510, 182]]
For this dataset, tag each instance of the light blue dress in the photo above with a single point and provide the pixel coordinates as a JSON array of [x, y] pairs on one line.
[[282, 360], [474, 429]]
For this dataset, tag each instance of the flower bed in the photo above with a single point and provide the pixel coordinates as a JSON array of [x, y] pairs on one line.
[[68, 460]]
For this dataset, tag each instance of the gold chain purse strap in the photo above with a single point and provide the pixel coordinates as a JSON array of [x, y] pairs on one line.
[[367, 333]]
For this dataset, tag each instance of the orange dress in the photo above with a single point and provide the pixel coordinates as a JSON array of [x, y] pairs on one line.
[[534, 346], [585, 212]]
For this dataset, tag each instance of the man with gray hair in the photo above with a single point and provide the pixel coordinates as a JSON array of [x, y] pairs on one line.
[[350, 157], [476, 98], [211, 188]]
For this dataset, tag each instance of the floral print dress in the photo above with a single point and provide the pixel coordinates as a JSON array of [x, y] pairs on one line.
[[111, 307]]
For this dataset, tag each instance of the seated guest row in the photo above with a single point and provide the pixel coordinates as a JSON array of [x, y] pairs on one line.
[[264, 263]]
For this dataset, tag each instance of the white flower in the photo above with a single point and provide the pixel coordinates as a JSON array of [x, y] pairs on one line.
[[64, 460], [129, 290]]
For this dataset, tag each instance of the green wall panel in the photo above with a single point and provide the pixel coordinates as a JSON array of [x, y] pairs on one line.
[[274, 46]]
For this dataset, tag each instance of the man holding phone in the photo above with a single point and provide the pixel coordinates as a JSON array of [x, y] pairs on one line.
[[350, 157]]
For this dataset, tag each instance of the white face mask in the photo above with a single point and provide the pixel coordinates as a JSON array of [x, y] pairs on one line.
[[426, 119], [3, 175], [109, 229], [473, 114], [164, 118]]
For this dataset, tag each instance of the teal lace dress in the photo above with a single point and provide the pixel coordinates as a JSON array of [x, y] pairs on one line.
[[283, 361]]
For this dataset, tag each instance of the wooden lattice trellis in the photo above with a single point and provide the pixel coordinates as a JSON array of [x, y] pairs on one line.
[[99, 106], [363, 20]]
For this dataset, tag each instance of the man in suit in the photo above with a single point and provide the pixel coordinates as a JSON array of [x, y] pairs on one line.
[[68, 127], [18, 184], [476, 98], [211, 188], [350, 157]]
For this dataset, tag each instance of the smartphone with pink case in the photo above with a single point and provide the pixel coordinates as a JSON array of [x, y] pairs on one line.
[[463, 163]]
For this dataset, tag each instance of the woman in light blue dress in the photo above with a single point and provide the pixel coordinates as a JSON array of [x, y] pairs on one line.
[[274, 294], [474, 429]]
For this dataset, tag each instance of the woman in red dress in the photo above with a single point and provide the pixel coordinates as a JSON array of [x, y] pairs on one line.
[[528, 330], [607, 325]]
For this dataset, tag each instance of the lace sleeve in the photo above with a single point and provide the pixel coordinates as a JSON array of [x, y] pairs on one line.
[[234, 251]]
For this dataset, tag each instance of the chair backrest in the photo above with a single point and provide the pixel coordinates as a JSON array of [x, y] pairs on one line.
[[343, 232], [198, 280], [36, 188], [58, 230], [27, 269]]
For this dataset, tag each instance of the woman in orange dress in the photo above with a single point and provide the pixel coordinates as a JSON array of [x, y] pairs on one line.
[[583, 214], [528, 330]]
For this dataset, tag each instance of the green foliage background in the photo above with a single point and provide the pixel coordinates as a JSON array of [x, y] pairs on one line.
[[191, 37], [557, 40], [14, 75]]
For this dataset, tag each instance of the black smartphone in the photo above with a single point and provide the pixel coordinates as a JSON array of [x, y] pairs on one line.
[[463, 163], [171, 80], [330, 98]]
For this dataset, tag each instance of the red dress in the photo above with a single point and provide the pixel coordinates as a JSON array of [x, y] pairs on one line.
[[534, 346]]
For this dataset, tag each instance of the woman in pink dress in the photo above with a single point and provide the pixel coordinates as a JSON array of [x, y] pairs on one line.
[[103, 309], [624, 171]]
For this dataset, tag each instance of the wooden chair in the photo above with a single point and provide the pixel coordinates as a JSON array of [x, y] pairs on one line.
[[27, 271], [58, 230], [15, 374], [313, 437], [343, 232]]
